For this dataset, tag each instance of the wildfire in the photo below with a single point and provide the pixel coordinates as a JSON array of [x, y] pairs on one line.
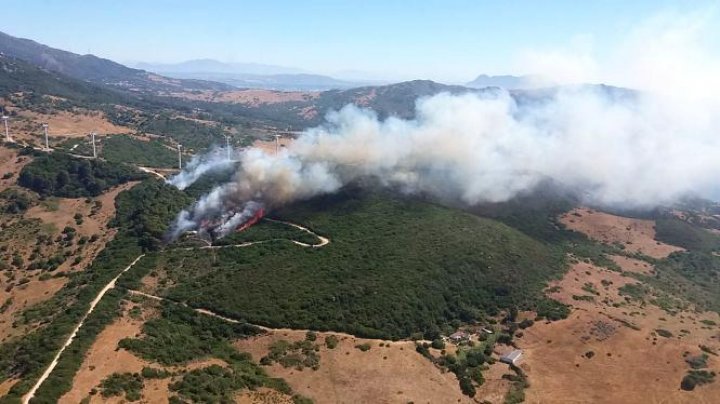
[[254, 219]]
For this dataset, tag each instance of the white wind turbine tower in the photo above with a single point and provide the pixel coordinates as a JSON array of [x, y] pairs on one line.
[[277, 143], [7, 129], [93, 145], [179, 147], [47, 142]]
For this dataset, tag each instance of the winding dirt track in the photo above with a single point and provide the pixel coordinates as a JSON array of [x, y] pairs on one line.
[[53, 364], [29, 396]]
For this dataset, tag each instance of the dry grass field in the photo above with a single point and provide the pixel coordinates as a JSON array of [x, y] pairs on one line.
[[635, 234]]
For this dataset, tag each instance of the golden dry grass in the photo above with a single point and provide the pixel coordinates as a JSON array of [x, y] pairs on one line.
[[630, 365], [636, 235], [393, 373]]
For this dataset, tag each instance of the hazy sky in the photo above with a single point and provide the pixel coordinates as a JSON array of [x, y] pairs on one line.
[[448, 40]]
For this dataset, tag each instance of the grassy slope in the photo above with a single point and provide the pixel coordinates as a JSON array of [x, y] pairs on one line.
[[126, 149], [142, 216], [393, 268]]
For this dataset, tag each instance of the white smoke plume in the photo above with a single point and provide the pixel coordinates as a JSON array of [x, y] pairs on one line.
[[217, 159], [615, 150], [619, 148]]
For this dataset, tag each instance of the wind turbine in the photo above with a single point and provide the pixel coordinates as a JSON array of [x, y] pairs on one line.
[[93, 145], [47, 142], [179, 147], [7, 130]]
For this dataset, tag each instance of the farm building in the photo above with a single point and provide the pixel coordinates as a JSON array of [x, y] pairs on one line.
[[459, 336], [511, 358]]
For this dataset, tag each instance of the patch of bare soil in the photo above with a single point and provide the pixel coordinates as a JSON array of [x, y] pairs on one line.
[[10, 162], [608, 350], [95, 217], [24, 288], [23, 297], [364, 100], [156, 391], [269, 146], [636, 235], [104, 358], [628, 264], [7, 385], [308, 113], [495, 387], [253, 98], [393, 373], [65, 123], [263, 396]]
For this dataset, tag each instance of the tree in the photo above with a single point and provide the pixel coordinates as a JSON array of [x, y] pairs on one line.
[[467, 386], [477, 376]]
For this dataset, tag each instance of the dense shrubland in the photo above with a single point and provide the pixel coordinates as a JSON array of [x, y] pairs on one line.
[[394, 267], [57, 174]]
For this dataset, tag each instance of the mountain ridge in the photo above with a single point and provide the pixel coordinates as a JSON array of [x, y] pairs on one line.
[[92, 68]]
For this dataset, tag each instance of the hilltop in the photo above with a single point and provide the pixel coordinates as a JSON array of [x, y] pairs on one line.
[[94, 69]]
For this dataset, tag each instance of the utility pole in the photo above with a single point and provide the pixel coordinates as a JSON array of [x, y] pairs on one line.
[[7, 130], [179, 156], [93, 145], [47, 142]]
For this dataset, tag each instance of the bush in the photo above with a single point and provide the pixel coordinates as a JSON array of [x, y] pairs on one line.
[[467, 387], [13, 201], [526, 323], [695, 378], [331, 341], [438, 344], [154, 373], [664, 333], [363, 347], [130, 384], [697, 362]]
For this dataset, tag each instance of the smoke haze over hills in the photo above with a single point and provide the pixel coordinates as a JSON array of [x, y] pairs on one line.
[[640, 150]]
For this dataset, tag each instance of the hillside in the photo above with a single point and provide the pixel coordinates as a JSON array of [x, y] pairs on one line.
[[94, 69], [33, 95], [393, 268], [301, 110]]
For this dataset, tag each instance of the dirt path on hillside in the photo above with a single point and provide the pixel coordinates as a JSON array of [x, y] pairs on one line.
[[111, 285], [53, 364]]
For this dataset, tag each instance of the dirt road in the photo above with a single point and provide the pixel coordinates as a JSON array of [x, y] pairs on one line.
[[26, 399], [53, 364]]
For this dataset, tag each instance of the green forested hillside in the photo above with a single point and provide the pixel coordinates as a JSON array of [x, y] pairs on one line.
[[58, 174], [394, 267]]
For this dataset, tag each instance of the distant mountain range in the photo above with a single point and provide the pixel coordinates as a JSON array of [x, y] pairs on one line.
[[507, 82], [94, 69], [252, 75], [214, 66]]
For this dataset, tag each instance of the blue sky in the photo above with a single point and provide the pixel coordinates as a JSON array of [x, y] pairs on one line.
[[449, 40]]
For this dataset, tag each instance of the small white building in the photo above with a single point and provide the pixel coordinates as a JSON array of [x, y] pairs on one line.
[[511, 358], [459, 337]]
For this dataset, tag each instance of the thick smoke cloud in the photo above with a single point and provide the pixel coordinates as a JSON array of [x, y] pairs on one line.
[[218, 159], [622, 150], [614, 148]]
